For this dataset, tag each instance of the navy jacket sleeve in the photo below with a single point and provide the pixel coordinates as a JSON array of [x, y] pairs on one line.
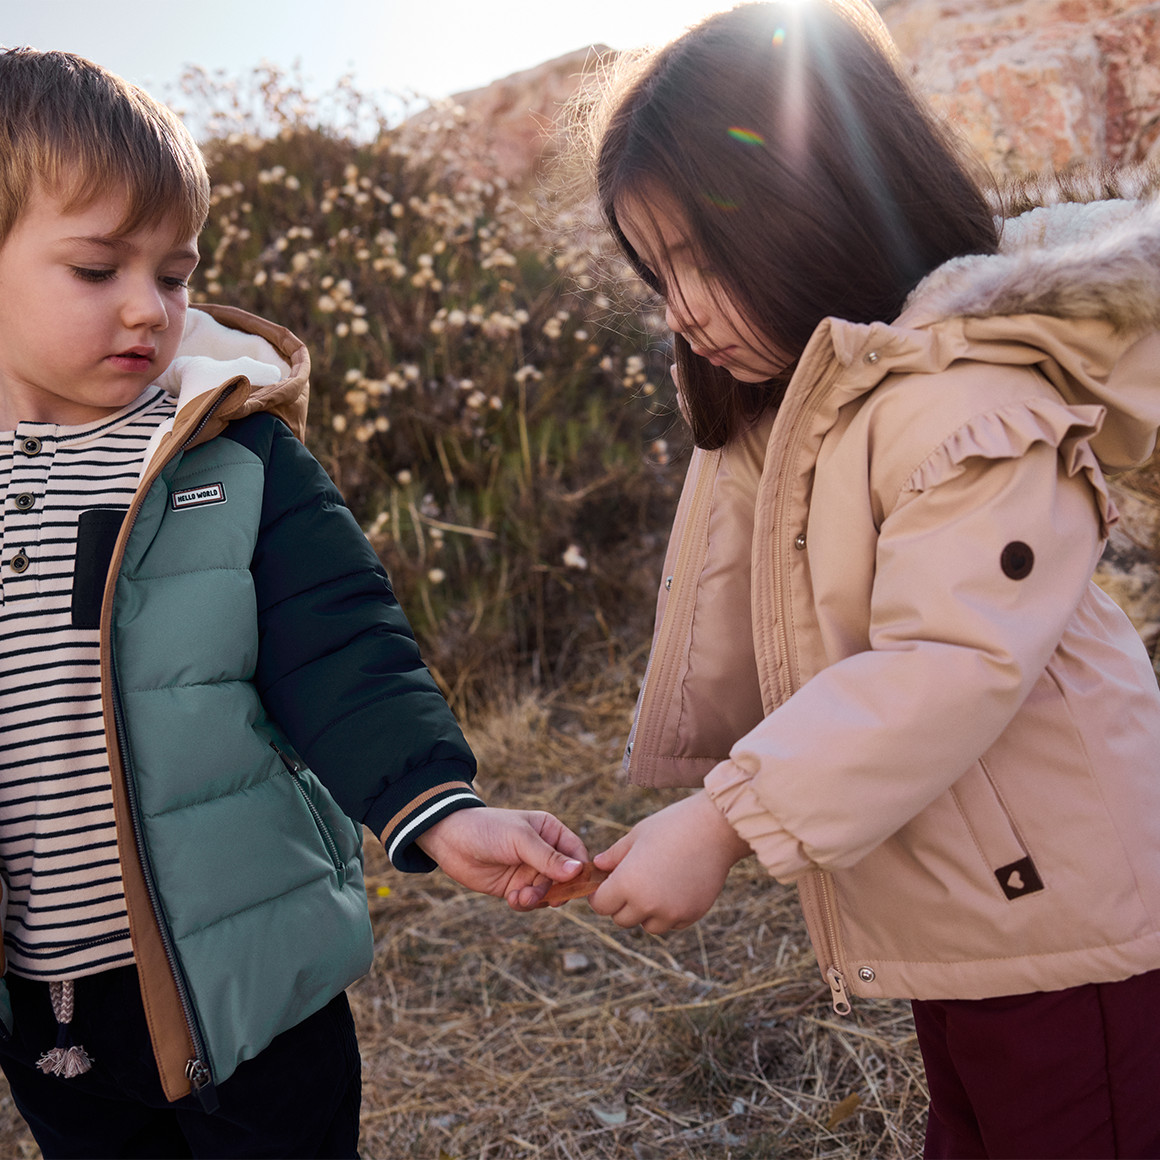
[[338, 666]]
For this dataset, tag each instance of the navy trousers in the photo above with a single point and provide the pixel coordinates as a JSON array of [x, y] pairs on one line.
[[1057, 1075], [300, 1097]]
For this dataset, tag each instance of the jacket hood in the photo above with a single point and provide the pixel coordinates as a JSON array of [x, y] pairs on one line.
[[1065, 258], [1074, 290], [265, 365]]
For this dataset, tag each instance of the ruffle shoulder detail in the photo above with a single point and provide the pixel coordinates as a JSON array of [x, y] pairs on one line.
[[1010, 432]]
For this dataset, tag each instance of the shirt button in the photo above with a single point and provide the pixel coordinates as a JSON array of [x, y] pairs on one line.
[[25, 501], [19, 563], [30, 446]]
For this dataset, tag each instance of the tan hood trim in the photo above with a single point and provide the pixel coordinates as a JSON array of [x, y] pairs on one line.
[[288, 399]]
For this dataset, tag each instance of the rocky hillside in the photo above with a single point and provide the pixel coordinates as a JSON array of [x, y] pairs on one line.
[[1032, 84], [1039, 84]]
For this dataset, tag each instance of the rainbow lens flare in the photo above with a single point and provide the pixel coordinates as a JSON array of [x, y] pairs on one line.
[[746, 136]]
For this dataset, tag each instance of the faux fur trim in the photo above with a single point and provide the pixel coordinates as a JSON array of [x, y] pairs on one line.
[[1131, 183], [1064, 255]]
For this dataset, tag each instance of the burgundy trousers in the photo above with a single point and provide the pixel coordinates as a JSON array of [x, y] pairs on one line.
[[1054, 1075]]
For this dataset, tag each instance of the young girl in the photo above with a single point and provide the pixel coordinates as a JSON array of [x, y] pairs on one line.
[[878, 649]]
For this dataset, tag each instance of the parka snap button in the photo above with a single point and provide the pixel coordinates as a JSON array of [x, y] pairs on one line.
[[19, 563], [1017, 559], [866, 974], [873, 357], [668, 583], [799, 541], [25, 501], [628, 750], [30, 446]]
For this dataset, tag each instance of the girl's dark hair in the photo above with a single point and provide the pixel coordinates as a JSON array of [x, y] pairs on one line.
[[811, 178]]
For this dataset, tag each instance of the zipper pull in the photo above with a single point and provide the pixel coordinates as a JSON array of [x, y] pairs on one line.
[[203, 1086], [838, 990], [293, 765]]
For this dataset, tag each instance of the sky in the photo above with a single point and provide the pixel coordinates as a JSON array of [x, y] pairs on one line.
[[431, 48]]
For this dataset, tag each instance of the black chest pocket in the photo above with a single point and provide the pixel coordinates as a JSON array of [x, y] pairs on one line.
[[96, 537]]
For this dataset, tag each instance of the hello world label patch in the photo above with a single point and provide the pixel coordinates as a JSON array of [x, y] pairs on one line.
[[192, 497]]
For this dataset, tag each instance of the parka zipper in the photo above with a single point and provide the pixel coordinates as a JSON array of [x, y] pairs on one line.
[[823, 897], [209, 413], [197, 1069], [834, 976]]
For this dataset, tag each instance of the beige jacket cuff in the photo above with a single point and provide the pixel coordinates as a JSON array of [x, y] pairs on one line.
[[731, 790]]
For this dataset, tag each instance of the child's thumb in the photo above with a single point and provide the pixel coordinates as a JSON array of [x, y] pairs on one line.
[[561, 868], [548, 860]]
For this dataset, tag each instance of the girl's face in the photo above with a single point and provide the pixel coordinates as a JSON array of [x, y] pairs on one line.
[[697, 306]]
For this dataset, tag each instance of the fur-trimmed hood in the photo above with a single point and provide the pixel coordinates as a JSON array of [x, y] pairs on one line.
[[1078, 248], [1074, 291]]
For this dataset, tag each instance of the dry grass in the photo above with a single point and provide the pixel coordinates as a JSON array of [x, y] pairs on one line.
[[487, 1034]]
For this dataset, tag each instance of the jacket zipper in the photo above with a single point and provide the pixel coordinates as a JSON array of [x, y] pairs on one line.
[[823, 897], [294, 768], [209, 413], [834, 976], [197, 1069]]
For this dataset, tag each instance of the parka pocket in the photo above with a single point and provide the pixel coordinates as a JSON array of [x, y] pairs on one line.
[[996, 837], [294, 769]]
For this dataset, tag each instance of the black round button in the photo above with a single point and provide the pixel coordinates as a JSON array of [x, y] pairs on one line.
[[25, 501], [19, 563], [30, 446], [1017, 560]]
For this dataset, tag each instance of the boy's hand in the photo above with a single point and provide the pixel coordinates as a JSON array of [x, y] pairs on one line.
[[667, 871], [512, 854]]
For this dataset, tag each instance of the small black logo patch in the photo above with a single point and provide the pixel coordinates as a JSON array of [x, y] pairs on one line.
[[1019, 878], [1017, 560], [198, 496]]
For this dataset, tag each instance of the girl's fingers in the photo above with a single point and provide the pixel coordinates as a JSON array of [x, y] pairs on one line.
[[609, 859]]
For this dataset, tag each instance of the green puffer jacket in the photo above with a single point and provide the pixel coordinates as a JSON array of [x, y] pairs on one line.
[[263, 698]]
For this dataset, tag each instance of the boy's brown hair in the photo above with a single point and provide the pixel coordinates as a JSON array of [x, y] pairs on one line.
[[811, 177], [75, 130]]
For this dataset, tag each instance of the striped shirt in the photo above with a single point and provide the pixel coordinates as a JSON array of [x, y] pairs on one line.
[[64, 489]]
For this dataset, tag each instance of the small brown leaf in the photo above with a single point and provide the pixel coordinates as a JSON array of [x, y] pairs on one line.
[[843, 1111], [579, 887]]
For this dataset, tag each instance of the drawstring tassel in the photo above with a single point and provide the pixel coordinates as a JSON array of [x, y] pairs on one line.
[[66, 1059]]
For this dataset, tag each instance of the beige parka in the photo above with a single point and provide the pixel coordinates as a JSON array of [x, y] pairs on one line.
[[879, 647]]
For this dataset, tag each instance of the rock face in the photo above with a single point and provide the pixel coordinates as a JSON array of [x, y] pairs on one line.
[[513, 123], [1031, 84], [1039, 84]]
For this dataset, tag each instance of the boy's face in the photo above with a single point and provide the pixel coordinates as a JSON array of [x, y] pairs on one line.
[[87, 318]]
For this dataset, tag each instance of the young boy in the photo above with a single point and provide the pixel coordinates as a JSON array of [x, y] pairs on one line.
[[204, 675]]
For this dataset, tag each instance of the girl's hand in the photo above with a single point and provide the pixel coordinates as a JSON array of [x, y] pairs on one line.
[[668, 870], [513, 854]]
